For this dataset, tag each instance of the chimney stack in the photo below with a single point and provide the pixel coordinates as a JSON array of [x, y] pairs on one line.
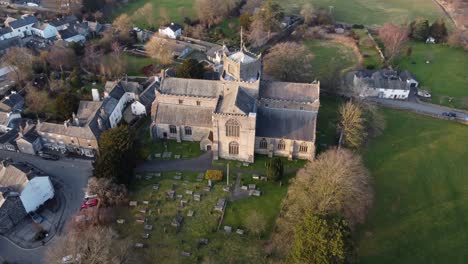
[[96, 97]]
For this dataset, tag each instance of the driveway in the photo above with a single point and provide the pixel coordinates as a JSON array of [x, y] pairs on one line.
[[419, 107], [73, 175]]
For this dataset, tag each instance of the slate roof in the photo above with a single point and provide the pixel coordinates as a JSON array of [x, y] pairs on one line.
[[11, 102], [87, 110], [68, 33], [298, 92], [5, 30], [237, 102], [28, 20], [117, 89], [58, 22], [41, 26], [72, 131], [286, 123], [174, 27], [191, 87], [109, 104], [182, 115]]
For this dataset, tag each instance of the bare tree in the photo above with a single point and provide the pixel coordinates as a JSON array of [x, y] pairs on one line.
[[158, 48], [337, 182], [393, 37], [91, 245], [256, 223], [145, 13], [210, 12], [123, 26], [92, 57], [289, 61], [307, 12], [351, 125], [164, 17], [109, 192], [250, 6], [20, 62], [60, 56], [36, 100], [257, 35]]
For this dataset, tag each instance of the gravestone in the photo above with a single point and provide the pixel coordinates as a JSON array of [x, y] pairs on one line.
[[148, 227], [186, 254], [157, 174], [145, 235], [227, 229], [263, 178], [245, 164], [177, 177], [252, 186], [133, 203], [157, 155], [226, 188], [189, 192], [190, 213], [166, 155], [255, 176], [176, 156], [146, 202], [207, 189], [120, 221], [203, 241], [149, 177], [239, 231], [197, 197], [155, 187], [245, 188]]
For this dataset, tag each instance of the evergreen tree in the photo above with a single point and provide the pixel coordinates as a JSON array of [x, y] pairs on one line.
[[274, 169], [66, 104], [116, 157], [190, 68], [322, 239], [439, 31], [419, 29]]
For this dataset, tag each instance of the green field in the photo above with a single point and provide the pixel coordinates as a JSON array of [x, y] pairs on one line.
[[373, 12], [372, 59], [446, 75], [420, 170], [175, 9], [329, 58]]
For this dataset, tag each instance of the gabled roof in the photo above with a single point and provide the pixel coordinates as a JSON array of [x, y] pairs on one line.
[[11, 101], [28, 20], [191, 87], [13, 177], [183, 115], [68, 33], [174, 27], [87, 110], [237, 101], [38, 191], [297, 92], [5, 30]]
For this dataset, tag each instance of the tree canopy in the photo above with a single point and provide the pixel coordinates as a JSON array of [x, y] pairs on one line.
[[190, 68], [352, 128], [321, 239], [66, 104], [116, 157]]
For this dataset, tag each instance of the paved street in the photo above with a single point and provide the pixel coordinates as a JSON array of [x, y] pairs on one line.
[[73, 175], [415, 106]]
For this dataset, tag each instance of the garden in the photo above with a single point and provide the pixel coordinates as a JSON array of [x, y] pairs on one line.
[[440, 69]]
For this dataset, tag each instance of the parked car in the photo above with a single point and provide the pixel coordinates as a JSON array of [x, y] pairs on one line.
[[36, 217], [47, 156], [89, 203], [449, 114]]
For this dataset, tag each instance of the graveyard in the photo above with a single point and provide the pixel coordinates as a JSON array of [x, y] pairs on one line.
[[176, 216]]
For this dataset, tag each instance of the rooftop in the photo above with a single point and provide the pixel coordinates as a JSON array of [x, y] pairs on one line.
[[28, 20], [191, 87], [298, 92], [182, 115]]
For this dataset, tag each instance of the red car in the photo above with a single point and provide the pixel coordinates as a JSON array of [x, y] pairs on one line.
[[89, 203]]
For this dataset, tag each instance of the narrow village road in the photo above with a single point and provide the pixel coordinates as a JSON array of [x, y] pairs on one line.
[[419, 107]]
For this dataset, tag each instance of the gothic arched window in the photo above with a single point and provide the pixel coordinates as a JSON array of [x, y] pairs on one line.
[[188, 131], [172, 129], [263, 143], [234, 148], [232, 128], [281, 145]]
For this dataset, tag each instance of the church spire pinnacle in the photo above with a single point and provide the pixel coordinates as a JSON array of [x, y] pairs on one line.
[[242, 39]]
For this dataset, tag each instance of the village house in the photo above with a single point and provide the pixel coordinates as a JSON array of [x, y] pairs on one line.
[[385, 83], [44, 30], [21, 27], [239, 115], [21, 192], [28, 141], [172, 31]]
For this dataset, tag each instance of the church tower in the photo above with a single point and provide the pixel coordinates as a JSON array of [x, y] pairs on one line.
[[242, 66]]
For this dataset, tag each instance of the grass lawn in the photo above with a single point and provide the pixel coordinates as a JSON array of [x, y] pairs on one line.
[[327, 133], [420, 170], [167, 246], [372, 59], [258, 166], [371, 12], [328, 56], [446, 75], [148, 147], [134, 64], [268, 205], [175, 10]]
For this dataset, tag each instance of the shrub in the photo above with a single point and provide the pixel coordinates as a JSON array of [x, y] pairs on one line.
[[274, 169], [214, 175]]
